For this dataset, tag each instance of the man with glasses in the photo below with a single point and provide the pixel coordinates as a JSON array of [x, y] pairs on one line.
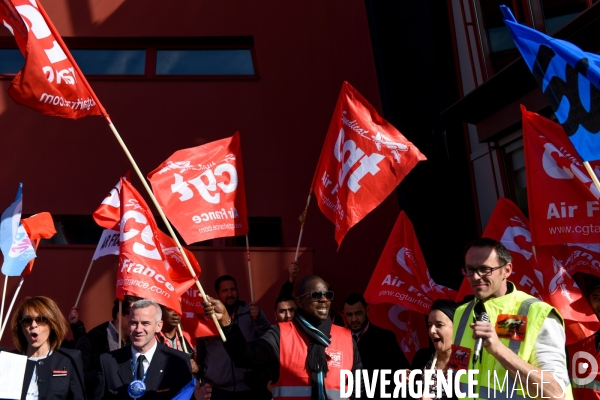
[[522, 336], [306, 354]]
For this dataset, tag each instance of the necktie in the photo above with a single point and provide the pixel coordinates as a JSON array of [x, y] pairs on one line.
[[140, 367]]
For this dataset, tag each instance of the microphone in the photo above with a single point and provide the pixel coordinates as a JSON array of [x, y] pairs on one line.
[[479, 342]]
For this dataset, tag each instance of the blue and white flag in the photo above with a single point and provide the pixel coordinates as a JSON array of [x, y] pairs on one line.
[[14, 242], [570, 80]]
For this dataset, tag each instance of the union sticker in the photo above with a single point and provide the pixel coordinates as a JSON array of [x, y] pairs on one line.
[[459, 359], [511, 326], [334, 358]]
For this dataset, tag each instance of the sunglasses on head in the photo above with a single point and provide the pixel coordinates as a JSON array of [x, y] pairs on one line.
[[39, 320], [318, 295]]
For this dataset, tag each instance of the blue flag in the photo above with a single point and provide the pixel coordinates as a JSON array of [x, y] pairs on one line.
[[14, 242], [569, 78], [187, 392]]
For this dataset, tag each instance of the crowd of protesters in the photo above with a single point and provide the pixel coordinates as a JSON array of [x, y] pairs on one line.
[[301, 356]]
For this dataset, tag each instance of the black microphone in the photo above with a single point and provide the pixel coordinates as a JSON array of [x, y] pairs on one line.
[[479, 342]]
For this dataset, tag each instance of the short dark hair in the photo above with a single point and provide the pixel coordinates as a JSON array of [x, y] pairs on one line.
[[224, 278], [502, 252], [302, 284], [285, 297], [127, 302], [354, 298]]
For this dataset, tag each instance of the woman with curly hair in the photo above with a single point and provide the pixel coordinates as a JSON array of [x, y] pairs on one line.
[[38, 329]]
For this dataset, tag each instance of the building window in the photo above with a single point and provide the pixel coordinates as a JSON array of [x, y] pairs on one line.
[[149, 58], [502, 48], [110, 61], [204, 62], [514, 164]]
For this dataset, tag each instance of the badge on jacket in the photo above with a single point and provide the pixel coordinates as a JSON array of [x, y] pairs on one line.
[[459, 359], [511, 326], [59, 372]]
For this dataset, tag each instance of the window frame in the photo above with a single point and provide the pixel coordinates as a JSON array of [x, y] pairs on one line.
[[151, 45]]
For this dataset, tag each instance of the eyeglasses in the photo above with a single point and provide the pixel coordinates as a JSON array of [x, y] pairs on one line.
[[481, 271], [39, 320], [316, 296]]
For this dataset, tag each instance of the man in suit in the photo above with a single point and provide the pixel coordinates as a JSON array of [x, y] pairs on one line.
[[164, 371], [378, 347]]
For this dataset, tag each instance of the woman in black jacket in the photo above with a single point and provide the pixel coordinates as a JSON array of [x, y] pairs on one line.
[[52, 373]]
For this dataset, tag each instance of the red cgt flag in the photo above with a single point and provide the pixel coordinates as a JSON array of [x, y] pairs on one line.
[[563, 293], [410, 327], [143, 268], [363, 160], [569, 212], [38, 226], [201, 190], [509, 226], [50, 81], [401, 276]]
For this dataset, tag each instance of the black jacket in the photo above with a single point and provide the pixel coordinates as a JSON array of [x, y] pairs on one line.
[[92, 346], [53, 382], [169, 372], [379, 349]]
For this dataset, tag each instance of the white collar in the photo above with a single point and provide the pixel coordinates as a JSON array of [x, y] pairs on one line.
[[149, 354]]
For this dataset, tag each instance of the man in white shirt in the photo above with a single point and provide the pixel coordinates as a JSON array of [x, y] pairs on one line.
[[162, 371]]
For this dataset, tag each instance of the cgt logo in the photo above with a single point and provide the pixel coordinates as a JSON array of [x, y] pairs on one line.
[[588, 368]]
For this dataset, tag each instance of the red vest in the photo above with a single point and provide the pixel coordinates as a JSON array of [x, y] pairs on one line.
[[591, 391], [294, 378]]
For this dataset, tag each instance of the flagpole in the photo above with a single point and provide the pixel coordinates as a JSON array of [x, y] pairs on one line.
[[249, 269], [120, 321], [12, 303], [182, 338], [3, 299], [138, 172], [592, 174], [83, 284], [302, 221]]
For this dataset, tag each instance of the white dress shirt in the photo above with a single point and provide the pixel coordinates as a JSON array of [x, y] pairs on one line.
[[149, 354]]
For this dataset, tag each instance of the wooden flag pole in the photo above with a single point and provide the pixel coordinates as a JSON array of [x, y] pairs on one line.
[[183, 345], [302, 221], [592, 174], [120, 321], [249, 270], [3, 299], [83, 284], [164, 218], [12, 303]]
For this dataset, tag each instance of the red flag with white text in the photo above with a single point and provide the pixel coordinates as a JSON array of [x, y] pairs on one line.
[[401, 276], [363, 160], [143, 268], [569, 212], [410, 327], [509, 226], [201, 190], [49, 82], [563, 293]]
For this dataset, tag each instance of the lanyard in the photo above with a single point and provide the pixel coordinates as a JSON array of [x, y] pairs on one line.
[[133, 370], [363, 332]]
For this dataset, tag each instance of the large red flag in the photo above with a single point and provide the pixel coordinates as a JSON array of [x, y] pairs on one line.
[[38, 226], [562, 292], [401, 276], [363, 160], [569, 211], [50, 81], [509, 226], [143, 268], [410, 327], [201, 190]]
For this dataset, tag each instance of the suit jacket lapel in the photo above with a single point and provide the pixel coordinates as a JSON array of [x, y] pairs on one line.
[[125, 372], [155, 371], [29, 367]]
